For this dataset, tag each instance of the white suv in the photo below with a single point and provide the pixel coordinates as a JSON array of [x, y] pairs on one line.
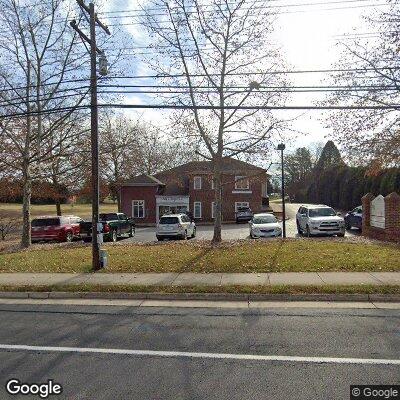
[[319, 219], [177, 226]]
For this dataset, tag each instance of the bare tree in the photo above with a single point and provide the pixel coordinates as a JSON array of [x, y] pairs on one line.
[[369, 76], [157, 150], [131, 147], [7, 226], [117, 150], [219, 55]]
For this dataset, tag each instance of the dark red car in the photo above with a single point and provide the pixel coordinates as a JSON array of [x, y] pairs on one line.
[[61, 229]]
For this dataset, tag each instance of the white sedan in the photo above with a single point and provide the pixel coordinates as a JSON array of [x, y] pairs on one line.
[[264, 225]]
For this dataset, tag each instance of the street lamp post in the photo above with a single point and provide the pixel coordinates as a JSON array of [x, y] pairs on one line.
[[281, 147]]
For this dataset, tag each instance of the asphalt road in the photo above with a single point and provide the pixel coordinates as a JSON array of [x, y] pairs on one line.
[[343, 334], [230, 231]]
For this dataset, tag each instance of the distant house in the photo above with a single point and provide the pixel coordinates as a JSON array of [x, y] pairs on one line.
[[190, 188]]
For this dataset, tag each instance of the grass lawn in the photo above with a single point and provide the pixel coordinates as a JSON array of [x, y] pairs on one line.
[[272, 256], [259, 289], [14, 210]]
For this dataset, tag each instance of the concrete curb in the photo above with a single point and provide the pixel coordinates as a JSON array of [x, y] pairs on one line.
[[395, 298]]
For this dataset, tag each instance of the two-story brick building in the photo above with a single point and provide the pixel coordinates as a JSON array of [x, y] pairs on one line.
[[190, 187]]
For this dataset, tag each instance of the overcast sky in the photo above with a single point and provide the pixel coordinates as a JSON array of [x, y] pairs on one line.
[[308, 32]]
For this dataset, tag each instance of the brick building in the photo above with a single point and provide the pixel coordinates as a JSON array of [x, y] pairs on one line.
[[189, 187]]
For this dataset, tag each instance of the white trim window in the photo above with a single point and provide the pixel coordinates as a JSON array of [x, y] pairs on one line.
[[197, 183], [239, 204], [242, 182], [197, 209], [138, 209], [213, 209]]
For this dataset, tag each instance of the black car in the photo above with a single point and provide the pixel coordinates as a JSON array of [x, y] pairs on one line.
[[353, 219]]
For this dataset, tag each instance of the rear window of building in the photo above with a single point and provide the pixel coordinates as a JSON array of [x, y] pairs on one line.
[[46, 222], [169, 220]]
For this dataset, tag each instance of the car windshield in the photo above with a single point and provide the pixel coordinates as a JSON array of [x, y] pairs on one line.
[[265, 219], [108, 217], [46, 222], [169, 220], [322, 212]]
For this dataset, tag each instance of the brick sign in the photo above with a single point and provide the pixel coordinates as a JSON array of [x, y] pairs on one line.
[[378, 212]]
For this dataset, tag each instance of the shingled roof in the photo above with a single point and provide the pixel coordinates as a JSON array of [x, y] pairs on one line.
[[145, 180], [228, 165]]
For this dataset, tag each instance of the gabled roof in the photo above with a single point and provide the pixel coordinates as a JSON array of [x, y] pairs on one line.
[[162, 178], [144, 179], [228, 165]]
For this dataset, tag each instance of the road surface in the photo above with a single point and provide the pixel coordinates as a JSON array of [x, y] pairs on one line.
[[103, 358]]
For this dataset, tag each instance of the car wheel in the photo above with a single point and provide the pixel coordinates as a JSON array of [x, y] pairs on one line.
[[308, 233], [159, 238], [341, 234], [194, 233], [114, 236], [299, 231], [132, 232], [68, 237]]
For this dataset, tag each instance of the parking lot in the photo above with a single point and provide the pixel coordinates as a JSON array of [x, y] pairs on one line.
[[229, 231]]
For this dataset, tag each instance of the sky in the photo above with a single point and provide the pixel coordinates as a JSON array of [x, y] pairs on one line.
[[307, 31]]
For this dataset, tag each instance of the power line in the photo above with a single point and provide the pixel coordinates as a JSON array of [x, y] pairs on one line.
[[45, 84], [173, 76], [202, 6], [207, 107], [48, 95], [281, 72], [244, 9]]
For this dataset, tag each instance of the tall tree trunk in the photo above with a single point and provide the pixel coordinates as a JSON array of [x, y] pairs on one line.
[[58, 206], [26, 170], [217, 237], [26, 205], [56, 188]]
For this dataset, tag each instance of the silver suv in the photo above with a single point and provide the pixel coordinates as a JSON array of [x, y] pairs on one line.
[[318, 220], [178, 226]]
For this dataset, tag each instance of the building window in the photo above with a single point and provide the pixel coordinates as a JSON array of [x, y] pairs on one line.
[[241, 182], [197, 209], [138, 208], [240, 204], [197, 182], [213, 209]]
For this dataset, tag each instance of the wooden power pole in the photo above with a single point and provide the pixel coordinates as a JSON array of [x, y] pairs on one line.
[[94, 123]]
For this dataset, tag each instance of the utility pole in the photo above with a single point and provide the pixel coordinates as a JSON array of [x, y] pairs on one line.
[[94, 120], [281, 147]]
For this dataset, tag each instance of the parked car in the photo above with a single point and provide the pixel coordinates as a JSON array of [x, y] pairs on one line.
[[115, 225], [243, 214], [264, 225], [353, 219], [319, 219], [63, 229], [175, 226]]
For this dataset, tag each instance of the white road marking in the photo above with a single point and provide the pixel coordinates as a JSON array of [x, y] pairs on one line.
[[221, 356]]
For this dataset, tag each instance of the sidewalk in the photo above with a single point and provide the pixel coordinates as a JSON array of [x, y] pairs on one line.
[[212, 279]]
